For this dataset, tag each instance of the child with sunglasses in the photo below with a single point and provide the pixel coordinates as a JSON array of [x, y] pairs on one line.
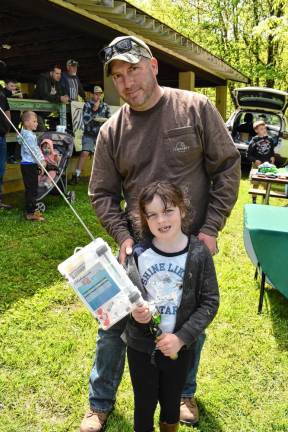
[[176, 274]]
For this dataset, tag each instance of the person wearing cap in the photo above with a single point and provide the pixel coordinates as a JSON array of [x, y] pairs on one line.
[[261, 149], [71, 82], [160, 133], [95, 111]]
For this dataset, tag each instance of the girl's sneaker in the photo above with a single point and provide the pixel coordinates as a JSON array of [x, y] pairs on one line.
[[36, 216]]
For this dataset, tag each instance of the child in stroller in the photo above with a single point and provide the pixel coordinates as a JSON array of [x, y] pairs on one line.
[[52, 158], [57, 149]]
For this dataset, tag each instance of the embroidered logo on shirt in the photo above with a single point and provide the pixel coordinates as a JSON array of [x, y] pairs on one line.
[[181, 147]]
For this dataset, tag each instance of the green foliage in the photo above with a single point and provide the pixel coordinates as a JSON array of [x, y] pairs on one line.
[[251, 35], [47, 337]]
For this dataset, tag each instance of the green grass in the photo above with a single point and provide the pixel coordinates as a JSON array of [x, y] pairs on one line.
[[47, 338]]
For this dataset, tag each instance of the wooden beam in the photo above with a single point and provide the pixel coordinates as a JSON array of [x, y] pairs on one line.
[[221, 100], [187, 80]]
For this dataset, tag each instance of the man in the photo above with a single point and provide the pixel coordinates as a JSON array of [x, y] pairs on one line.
[[11, 91], [4, 128], [159, 134], [48, 86], [71, 82], [95, 111]]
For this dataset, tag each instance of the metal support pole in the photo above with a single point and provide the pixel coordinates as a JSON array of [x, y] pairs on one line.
[[262, 289], [62, 115]]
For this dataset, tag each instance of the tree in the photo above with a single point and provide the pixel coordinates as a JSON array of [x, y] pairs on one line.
[[251, 35]]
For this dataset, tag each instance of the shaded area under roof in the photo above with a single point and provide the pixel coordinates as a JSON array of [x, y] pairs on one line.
[[56, 30]]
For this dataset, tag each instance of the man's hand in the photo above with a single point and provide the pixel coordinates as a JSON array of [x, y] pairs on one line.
[[142, 314], [125, 249], [169, 344], [210, 242], [64, 99], [272, 160]]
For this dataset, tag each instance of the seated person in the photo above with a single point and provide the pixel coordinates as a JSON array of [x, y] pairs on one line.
[[245, 129], [52, 158]]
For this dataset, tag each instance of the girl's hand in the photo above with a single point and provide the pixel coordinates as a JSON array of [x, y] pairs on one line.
[[142, 314], [169, 344]]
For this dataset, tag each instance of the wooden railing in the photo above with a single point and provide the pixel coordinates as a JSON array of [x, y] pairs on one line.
[[38, 106]]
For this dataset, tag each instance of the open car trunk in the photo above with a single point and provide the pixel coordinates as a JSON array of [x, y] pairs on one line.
[[261, 98]]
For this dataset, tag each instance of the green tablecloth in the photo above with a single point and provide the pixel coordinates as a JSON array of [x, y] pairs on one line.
[[266, 242]]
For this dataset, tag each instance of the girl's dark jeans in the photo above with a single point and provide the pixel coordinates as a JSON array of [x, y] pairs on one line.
[[162, 383]]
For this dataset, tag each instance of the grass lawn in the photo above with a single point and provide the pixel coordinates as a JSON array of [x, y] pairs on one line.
[[47, 338]]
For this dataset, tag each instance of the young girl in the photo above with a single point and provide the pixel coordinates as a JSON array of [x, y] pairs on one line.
[[52, 158], [177, 275]]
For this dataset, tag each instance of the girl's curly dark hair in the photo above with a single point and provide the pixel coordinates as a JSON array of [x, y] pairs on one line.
[[169, 194]]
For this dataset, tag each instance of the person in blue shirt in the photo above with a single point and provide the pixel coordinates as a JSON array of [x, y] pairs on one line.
[[95, 111], [31, 158]]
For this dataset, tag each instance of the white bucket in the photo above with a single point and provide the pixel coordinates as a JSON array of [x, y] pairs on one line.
[[61, 128]]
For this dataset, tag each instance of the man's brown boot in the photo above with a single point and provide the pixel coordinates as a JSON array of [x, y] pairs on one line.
[[94, 421], [167, 427], [189, 413]]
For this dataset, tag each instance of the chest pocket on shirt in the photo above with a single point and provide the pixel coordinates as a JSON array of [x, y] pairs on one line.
[[182, 146]]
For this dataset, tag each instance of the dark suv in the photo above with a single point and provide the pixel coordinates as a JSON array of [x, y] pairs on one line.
[[260, 103]]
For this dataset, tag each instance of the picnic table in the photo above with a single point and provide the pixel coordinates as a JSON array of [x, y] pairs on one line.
[[268, 180], [266, 243]]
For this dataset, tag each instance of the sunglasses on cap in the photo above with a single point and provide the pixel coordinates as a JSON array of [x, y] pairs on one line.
[[121, 47]]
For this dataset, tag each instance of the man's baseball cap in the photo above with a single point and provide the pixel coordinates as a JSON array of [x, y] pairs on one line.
[[97, 89], [129, 49], [72, 62], [258, 123]]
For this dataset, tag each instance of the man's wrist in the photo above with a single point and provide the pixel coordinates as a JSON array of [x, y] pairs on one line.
[[122, 237], [209, 231]]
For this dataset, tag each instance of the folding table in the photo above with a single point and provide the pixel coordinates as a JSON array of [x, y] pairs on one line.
[[266, 243]]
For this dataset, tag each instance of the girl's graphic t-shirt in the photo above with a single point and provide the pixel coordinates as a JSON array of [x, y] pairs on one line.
[[162, 277]]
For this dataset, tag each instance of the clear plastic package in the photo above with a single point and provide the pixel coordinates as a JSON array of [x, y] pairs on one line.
[[101, 283]]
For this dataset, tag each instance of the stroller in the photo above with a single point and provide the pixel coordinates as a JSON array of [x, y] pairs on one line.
[[63, 144]]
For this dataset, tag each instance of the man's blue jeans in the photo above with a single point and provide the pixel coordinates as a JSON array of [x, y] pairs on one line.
[[3, 156], [109, 363]]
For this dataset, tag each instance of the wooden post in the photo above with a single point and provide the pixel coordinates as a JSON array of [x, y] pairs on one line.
[[27, 89], [187, 80], [221, 100]]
